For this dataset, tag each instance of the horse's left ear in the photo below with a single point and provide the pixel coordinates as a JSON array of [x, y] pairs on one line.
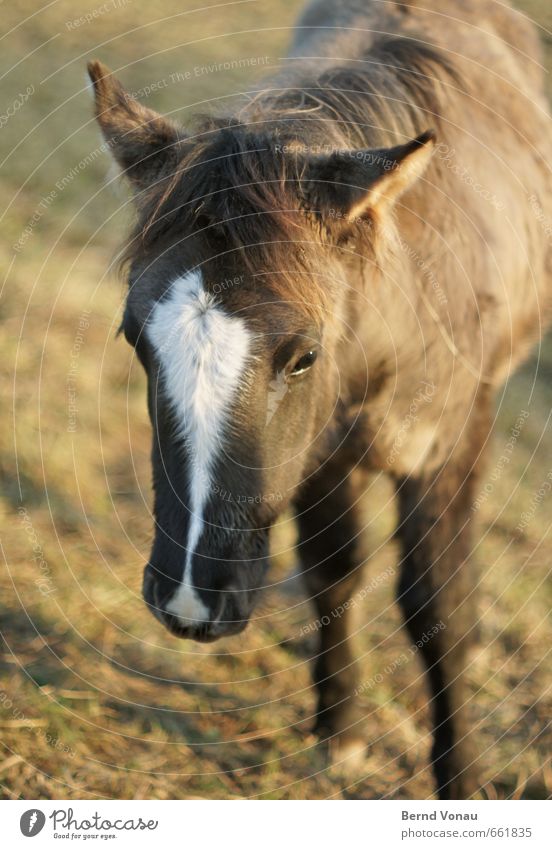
[[351, 184], [145, 145]]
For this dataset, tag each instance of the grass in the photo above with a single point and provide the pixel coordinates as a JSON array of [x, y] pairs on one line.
[[95, 699]]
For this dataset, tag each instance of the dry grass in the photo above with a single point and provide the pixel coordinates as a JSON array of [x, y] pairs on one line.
[[95, 699]]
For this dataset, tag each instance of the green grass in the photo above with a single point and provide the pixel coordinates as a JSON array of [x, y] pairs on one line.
[[95, 699]]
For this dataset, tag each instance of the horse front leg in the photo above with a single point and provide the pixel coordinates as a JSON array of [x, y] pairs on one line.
[[436, 596], [331, 564]]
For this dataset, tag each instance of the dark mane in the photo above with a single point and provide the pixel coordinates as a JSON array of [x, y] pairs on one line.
[[235, 183], [394, 91]]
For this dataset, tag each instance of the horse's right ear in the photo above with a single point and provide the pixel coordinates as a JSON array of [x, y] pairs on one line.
[[145, 145], [349, 185]]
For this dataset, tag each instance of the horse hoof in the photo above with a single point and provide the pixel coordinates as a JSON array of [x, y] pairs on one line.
[[348, 755]]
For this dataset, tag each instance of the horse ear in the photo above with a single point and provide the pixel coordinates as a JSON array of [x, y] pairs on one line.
[[143, 143], [353, 184]]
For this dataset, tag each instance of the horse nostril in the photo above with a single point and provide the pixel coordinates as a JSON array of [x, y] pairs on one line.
[[219, 613], [152, 596], [231, 616]]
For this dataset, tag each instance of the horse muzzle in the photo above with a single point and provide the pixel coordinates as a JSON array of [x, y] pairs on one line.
[[185, 614]]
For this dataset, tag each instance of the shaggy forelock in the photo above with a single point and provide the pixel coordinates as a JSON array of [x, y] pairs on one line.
[[235, 190]]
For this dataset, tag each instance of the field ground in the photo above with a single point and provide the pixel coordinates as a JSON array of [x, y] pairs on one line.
[[95, 699]]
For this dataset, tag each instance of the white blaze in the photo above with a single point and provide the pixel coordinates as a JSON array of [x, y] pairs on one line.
[[202, 352]]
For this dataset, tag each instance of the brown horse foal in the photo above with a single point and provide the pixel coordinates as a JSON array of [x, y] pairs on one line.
[[335, 279]]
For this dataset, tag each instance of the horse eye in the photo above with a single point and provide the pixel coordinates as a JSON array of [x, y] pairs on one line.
[[304, 363]]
